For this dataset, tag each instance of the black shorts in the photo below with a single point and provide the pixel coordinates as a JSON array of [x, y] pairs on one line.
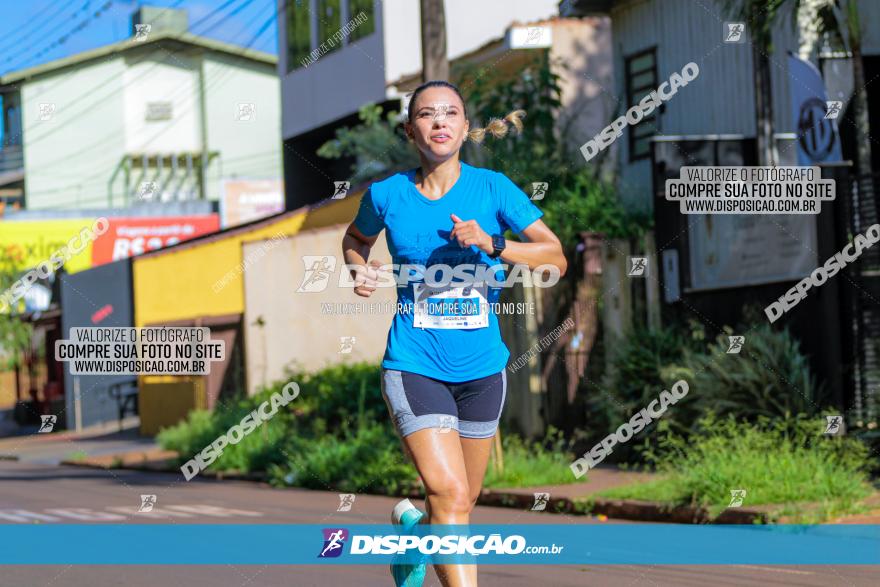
[[473, 407]]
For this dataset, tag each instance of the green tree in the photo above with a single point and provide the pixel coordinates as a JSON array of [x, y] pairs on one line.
[[15, 335], [576, 199], [378, 146]]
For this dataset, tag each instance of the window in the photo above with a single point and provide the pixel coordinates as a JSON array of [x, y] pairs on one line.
[[298, 33], [368, 26], [329, 23], [327, 20], [641, 80], [10, 120]]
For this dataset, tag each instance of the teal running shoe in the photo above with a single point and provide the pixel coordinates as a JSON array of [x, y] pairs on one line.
[[407, 515]]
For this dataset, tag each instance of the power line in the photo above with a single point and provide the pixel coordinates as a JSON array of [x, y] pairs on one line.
[[24, 32], [63, 38], [166, 128], [217, 10], [213, 82], [106, 83]]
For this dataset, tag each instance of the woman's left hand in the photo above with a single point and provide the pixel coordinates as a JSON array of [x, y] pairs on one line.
[[468, 233]]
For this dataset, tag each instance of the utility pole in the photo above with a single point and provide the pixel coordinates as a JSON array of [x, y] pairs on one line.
[[435, 64]]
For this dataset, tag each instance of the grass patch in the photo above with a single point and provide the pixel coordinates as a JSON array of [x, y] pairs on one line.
[[79, 455], [787, 462], [530, 464], [336, 436]]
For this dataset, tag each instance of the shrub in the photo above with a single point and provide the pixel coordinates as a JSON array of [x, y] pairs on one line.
[[781, 461], [769, 377], [366, 459], [336, 435], [636, 378], [329, 399], [338, 394], [191, 435]]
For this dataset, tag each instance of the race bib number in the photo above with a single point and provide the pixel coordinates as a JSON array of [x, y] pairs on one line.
[[450, 307]]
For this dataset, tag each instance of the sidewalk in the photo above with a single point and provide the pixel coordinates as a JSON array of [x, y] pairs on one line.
[[104, 441]]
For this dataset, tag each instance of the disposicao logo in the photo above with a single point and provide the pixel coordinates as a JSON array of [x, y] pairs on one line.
[[334, 540]]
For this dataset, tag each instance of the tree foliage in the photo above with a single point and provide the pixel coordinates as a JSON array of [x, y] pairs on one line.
[[576, 199], [15, 335]]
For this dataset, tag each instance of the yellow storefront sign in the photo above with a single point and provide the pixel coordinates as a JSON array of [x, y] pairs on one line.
[[27, 243]]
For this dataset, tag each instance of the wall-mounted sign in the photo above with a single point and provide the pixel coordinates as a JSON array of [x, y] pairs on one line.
[[128, 237], [27, 243], [158, 111], [246, 200]]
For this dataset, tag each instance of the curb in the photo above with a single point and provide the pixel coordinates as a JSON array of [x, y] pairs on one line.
[[625, 509], [156, 467], [649, 511], [621, 509]]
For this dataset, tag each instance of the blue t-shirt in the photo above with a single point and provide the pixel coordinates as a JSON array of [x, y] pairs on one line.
[[418, 233]]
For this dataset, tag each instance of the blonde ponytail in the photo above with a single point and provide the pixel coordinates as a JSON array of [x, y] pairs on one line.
[[498, 127]]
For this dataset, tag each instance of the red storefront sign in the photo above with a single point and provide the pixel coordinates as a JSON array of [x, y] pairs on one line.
[[127, 237]]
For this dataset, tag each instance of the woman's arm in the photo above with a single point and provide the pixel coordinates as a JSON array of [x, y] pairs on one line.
[[542, 247], [356, 248]]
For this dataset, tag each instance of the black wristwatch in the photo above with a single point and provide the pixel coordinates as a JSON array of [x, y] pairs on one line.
[[498, 245]]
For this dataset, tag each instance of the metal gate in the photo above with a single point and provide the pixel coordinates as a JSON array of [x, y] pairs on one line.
[[864, 204]]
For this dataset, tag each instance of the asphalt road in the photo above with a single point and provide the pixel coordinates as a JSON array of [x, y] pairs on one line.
[[34, 493]]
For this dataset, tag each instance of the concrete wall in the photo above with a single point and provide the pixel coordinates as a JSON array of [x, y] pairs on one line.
[[154, 77], [248, 149], [205, 277], [70, 158], [588, 101], [188, 281], [284, 327]]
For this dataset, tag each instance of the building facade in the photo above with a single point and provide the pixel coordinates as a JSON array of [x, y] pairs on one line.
[[162, 116], [327, 77], [709, 267]]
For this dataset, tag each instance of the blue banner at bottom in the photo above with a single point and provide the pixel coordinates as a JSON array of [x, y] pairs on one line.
[[528, 544]]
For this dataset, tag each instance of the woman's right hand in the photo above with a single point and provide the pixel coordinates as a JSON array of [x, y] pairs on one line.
[[366, 278]]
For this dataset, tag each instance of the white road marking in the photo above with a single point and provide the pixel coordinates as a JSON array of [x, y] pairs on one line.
[[26, 516], [85, 514], [775, 570], [90, 515]]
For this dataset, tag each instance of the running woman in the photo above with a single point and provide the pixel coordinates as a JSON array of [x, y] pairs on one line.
[[443, 374]]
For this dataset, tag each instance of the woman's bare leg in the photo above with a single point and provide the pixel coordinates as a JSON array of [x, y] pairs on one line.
[[476, 456], [440, 459]]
